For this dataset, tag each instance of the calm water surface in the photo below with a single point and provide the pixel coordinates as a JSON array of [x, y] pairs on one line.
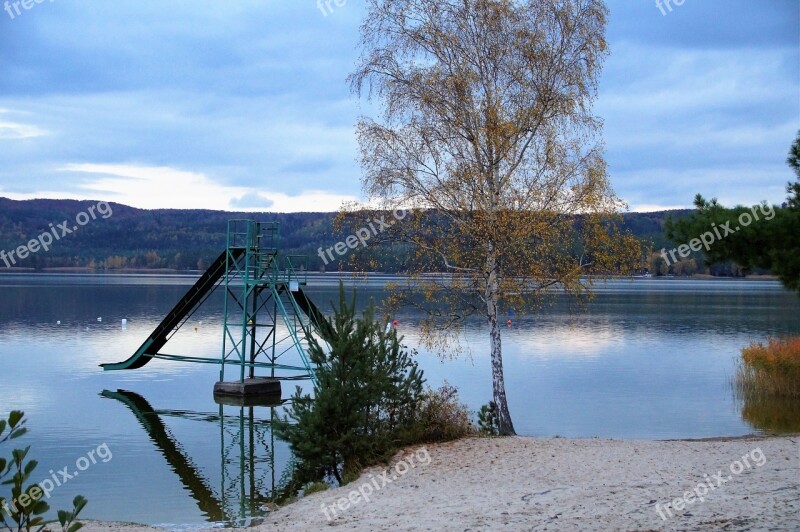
[[647, 359]]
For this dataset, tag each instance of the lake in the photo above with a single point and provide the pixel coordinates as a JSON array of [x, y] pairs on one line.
[[649, 359]]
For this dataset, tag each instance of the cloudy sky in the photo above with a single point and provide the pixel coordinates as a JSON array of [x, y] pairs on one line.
[[243, 105]]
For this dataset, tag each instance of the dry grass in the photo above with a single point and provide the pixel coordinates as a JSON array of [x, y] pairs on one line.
[[771, 369], [441, 417]]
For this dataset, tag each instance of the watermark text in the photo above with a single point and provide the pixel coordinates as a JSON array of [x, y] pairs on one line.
[[46, 487], [665, 6], [12, 7], [754, 458], [375, 483], [360, 237], [54, 233], [718, 232], [326, 6]]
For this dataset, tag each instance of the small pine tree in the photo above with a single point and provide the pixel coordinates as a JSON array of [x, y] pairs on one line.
[[367, 388], [488, 423]]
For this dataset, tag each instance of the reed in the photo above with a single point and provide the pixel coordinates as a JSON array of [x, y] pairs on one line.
[[770, 370]]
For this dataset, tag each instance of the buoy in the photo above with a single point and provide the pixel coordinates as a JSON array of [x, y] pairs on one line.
[[124, 323], [396, 323], [509, 323]]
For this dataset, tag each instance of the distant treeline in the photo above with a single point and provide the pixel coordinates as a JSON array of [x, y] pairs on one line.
[[132, 238]]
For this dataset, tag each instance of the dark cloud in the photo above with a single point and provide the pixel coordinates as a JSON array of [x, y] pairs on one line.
[[252, 94]]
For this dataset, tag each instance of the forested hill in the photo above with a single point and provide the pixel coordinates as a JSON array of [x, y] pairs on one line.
[[125, 237]]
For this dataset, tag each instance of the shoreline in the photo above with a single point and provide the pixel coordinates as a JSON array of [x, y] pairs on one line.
[[316, 275], [526, 483]]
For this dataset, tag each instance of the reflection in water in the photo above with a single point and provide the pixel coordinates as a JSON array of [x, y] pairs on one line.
[[245, 444], [769, 413]]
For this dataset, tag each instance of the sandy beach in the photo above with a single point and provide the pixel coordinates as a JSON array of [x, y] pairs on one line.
[[750, 483]]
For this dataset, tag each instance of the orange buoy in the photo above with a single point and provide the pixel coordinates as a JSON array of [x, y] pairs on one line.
[[509, 322]]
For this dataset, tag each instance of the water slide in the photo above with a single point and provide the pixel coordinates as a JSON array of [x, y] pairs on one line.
[[193, 298], [308, 308], [188, 303]]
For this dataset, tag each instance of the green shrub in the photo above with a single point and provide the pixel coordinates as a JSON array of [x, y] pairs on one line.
[[26, 506]]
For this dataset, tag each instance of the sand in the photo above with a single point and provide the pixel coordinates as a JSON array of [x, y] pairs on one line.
[[750, 483]]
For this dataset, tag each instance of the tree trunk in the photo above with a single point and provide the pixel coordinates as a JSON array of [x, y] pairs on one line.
[[498, 380]]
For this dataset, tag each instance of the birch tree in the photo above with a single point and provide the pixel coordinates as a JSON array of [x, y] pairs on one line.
[[486, 128]]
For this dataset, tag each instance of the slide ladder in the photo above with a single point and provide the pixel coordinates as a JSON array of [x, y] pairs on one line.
[[302, 318]]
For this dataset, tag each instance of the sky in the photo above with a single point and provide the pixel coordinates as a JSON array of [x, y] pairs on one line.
[[244, 106]]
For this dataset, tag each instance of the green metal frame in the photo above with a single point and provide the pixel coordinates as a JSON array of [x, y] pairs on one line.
[[264, 327]]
